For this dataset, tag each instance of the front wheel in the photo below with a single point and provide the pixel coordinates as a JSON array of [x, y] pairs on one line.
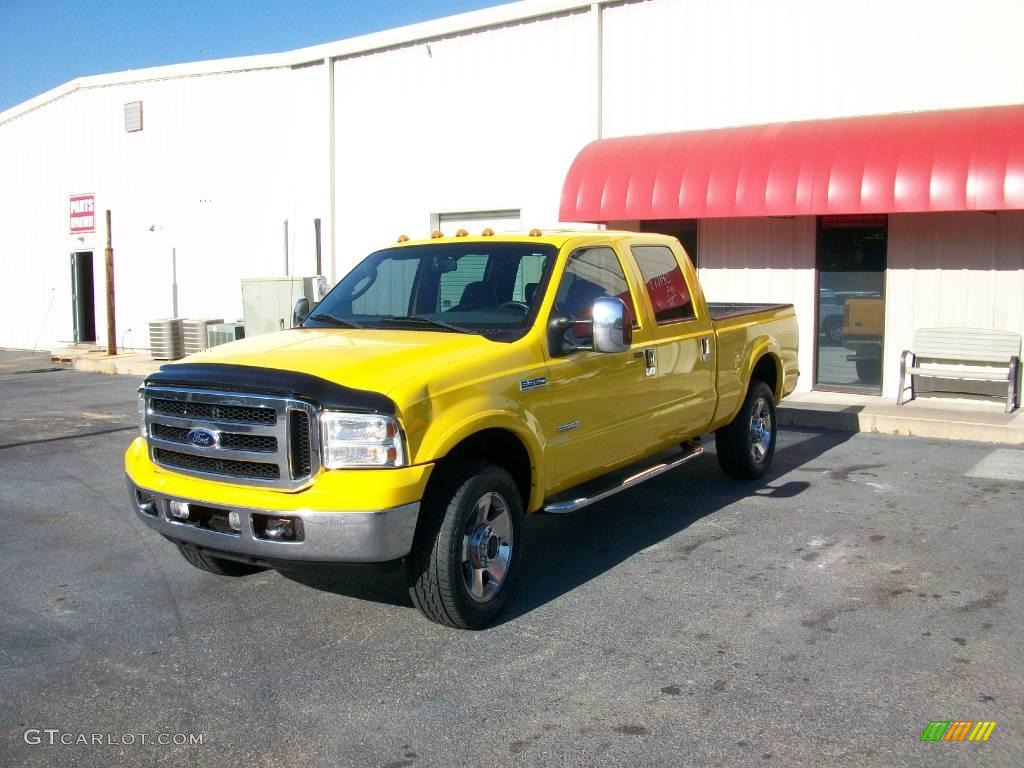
[[746, 445], [468, 546]]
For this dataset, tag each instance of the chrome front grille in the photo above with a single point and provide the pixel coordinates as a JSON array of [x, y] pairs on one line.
[[248, 439]]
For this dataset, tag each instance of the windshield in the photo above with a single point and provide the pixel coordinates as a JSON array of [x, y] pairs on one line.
[[492, 289]]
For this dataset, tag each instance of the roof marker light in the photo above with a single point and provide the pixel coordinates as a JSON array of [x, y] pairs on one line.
[[436, 234], [403, 238], [488, 232], [461, 233], [535, 232]]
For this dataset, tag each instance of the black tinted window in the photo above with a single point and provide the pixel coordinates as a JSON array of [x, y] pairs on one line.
[[665, 283]]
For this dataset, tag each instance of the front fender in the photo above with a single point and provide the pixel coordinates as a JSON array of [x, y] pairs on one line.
[[464, 418]]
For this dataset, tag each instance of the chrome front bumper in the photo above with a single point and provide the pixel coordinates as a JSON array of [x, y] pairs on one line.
[[328, 537]]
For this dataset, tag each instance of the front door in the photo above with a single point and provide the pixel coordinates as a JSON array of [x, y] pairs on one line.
[[604, 407], [83, 303], [851, 303]]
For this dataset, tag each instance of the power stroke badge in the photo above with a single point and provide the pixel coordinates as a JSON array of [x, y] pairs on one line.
[[528, 384]]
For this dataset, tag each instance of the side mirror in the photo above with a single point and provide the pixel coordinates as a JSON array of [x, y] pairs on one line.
[[300, 311], [613, 331]]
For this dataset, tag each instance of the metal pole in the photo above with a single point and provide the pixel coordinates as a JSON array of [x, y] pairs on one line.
[[286, 271], [174, 280], [111, 322], [316, 231], [332, 221]]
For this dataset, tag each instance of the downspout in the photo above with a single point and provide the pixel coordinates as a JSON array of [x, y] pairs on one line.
[[598, 20], [331, 167]]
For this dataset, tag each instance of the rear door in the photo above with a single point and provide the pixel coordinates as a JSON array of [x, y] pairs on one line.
[[683, 340], [604, 407]]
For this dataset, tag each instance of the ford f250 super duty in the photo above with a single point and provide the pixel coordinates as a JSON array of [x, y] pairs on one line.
[[442, 390]]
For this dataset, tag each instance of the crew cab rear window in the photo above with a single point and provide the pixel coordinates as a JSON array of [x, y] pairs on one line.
[[665, 283]]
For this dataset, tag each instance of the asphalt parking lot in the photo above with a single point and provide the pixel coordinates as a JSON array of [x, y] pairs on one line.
[[823, 617]]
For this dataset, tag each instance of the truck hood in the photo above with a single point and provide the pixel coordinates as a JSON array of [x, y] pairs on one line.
[[372, 360]]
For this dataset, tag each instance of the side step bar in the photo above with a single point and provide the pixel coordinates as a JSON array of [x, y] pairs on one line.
[[597, 493]]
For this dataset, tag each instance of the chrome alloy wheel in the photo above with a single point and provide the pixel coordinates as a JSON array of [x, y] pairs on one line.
[[487, 547], [760, 430]]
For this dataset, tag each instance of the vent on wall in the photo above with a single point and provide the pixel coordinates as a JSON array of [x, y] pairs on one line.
[[133, 116]]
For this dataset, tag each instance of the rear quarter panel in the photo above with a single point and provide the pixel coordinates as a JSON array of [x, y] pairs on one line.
[[742, 342]]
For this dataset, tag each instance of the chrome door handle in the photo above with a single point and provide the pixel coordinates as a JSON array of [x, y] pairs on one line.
[[705, 349], [651, 361]]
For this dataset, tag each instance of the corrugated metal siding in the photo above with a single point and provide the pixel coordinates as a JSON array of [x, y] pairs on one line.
[[486, 120], [675, 65], [951, 269], [769, 260], [221, 162]]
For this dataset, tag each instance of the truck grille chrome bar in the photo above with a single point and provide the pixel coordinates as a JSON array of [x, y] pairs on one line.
[[256, 440]]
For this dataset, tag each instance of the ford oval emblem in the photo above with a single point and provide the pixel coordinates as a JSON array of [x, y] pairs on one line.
[[203, 438]]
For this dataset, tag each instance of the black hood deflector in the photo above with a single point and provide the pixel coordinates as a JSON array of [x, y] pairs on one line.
[[252, 379]]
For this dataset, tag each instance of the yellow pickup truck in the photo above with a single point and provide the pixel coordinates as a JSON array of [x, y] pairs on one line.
[[442, 390]]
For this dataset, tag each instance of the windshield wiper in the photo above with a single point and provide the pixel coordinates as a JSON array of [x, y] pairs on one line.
[[424, 321], [326, 317]]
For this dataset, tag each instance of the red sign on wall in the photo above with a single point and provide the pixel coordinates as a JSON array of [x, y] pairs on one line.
[[83, 213]]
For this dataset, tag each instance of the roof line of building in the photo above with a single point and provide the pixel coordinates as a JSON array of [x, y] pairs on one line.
[[524, 10]]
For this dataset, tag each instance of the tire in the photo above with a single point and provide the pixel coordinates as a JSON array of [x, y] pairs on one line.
[[470, 531], [746, 445], [217, 565], [869, 371]]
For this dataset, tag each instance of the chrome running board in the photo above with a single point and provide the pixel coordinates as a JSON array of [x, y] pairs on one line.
[[597, 490]]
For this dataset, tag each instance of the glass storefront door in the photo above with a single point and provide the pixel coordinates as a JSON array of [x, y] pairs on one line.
[[851, 303]]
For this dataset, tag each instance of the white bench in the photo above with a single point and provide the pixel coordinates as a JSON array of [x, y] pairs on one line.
[[965, 354]]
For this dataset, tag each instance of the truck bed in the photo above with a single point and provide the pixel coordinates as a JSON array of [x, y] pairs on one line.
[[723, 310]]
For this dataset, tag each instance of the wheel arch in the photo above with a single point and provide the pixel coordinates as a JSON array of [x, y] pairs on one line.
[[502, 447], [768, 368]]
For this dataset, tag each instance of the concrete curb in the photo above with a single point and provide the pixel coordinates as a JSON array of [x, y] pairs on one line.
[[914, 420]]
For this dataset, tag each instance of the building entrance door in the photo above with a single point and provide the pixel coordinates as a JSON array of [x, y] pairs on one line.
[[83, 303], [851, 303]]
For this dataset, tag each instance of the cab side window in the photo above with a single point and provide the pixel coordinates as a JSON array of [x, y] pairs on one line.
[[590, 274], [665, 283]]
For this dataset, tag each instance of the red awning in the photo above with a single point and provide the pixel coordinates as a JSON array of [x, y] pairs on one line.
[[953, 160]]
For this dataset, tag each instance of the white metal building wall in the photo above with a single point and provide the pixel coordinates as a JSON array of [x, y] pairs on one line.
[[221, 162], [765, 259], [951, 269], [484, 120], [676, 65]]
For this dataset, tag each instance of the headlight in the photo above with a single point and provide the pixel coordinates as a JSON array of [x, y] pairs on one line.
[[142, 412], [360, 440]]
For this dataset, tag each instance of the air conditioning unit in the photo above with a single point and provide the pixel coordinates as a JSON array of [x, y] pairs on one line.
[[267, 302], [195, 334], [222, 333], [166, 341]]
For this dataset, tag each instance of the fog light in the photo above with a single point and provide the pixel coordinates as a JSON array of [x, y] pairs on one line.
[[280, 530], [235, 521], [178, 509]]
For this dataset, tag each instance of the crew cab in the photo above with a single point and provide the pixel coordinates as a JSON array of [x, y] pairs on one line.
[[444, 389]]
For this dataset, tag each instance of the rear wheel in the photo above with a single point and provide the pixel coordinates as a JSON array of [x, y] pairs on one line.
[[869, 371], [468, 545], [746, 445], [217, 565]]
